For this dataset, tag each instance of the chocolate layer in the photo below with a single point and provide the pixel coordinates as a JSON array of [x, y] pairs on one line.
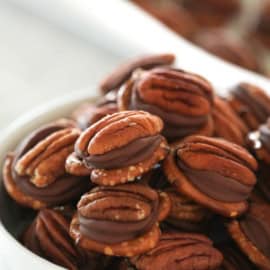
[[64, 189], [257, 108], [264, 179], [215, 185], [130, 154], [258, 232], [112, 232], [175, 125]]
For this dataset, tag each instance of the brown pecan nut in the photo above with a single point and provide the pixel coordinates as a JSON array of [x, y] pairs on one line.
[[34, 175], [88, 113], [259, 142], [48, 237], [227, 124], [172, 15], [252, 234], [122, 146], [229, 48], [212, 13], [123, 72], [120, 220], [180, 251], [182, 100], [251, 103], [234, 259], [214, 172], [185, 214]]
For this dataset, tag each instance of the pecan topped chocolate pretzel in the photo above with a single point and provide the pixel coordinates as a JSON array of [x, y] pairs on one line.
[[181, 99], [214, 172], [121, 147], [35, 176], [120, 220]]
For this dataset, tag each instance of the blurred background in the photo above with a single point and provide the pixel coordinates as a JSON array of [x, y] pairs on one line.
[[41, 60]]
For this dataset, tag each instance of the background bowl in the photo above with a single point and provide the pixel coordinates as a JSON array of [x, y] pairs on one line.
[[14, 218]]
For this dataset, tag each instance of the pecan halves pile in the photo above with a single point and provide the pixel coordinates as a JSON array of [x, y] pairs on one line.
[[181, 99], [214, 172], [120, 220], [121, 147], [114, 80], [35, 176], [180, 251], [48, 236]]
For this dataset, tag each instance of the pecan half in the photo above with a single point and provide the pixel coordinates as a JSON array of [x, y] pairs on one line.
[[181, 251], [44, 152], [123, 72], [213, 172], [181, 99], [251, 103]]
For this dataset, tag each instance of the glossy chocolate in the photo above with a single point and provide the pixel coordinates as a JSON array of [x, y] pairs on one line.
[[130, 154], [216, 185]]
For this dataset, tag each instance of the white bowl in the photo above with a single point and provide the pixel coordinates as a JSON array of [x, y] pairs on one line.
[[12, 216]]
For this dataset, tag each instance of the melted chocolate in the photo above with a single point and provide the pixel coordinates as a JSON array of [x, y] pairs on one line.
[[64, 189], [130, 154], [259, 110], [176, 125], [112, 232], [215, 185], [258, 232]]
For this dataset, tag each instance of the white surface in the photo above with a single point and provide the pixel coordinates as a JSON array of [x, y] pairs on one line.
[[124, 28], [40, 62], [13, 253]]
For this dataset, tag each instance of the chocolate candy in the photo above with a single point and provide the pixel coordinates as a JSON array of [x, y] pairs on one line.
[[35, 176], [213, 172], [135, 147], [120, 220], [181, 99]]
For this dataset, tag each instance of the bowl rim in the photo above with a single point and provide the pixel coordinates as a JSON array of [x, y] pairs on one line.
[[39, 114]]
